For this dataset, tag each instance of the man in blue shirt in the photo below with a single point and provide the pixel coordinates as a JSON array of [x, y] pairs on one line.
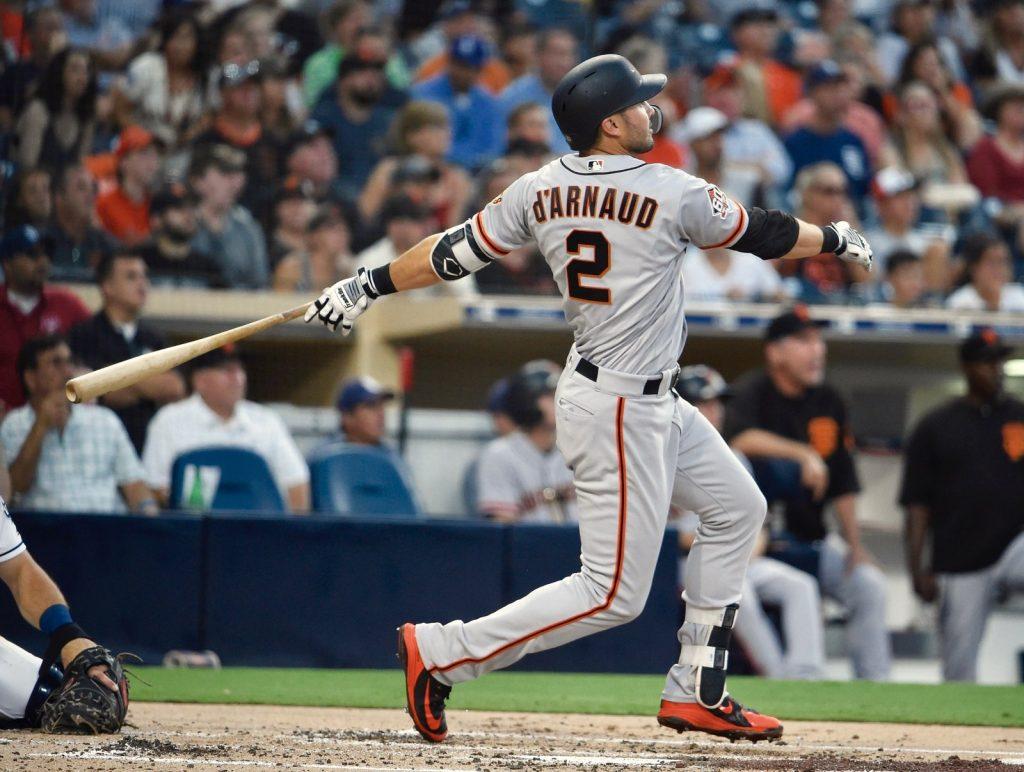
[[478, 128], [352, 111], [557, 53], [824, 138]]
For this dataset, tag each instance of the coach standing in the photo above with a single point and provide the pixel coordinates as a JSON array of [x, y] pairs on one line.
[[963, 485], [788, 411]]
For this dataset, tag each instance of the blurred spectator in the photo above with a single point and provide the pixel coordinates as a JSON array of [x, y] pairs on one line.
[[356, 117], [57, 126], [29, 308], [310, 161], [823, 198], [407, 223], [164, 90], [293, 211], [44, 30], [724, 275], [226, 230], [529, 121], [747, 140], [904, 285], [521, 272], [800, 652], [238, 124], [218, 413], [557, 53], [919, 139], [501, 423], [989, 274], [343, 21], [788, 412], [327, 258], [522, 477], [116, 333], [31, 201], [996, 163], [703, 130], [899, 211], [825, 138], [123, 210], [856, 117], [279, 114], [64, 457], [423, 138], [976, 532], [171, 260], [770, 88], [666, 149], [913, 23], [1001, 54], [518, 53], [458, 18], [478, 132], [104, 36], [923, 64], [76, 244]]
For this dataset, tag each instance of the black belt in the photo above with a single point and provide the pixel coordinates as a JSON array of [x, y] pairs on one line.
[[589, 370]]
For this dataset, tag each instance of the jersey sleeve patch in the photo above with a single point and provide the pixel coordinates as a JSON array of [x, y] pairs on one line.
[[721, 206], [730, 210]]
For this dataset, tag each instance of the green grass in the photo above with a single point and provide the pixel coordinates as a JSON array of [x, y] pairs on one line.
[[965, 704]]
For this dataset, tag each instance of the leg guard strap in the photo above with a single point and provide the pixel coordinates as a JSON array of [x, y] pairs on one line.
[[713, 661]]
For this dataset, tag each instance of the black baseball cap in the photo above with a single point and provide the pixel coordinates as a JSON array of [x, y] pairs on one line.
[[699, 383], [216, 358], [753, 16], [403, 208], [793, 321], [21, 240], [307, 132], [984, 345], [171, 197]]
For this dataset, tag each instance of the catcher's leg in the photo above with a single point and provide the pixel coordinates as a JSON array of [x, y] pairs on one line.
[[23, 688]]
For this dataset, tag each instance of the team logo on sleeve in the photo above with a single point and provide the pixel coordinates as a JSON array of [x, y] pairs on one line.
[[720, 203], [497, 200]]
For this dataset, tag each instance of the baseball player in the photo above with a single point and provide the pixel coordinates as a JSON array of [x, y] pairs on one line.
[[613, 230], [77, 686]]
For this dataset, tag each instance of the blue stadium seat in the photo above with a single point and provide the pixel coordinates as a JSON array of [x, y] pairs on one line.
[[224, 478], [359, 480]]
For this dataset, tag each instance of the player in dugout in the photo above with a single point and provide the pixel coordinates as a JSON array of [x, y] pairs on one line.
[[614, 230]]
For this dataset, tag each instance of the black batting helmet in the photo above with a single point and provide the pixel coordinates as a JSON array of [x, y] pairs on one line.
[[595, 89], [699, 383], [524, 389]]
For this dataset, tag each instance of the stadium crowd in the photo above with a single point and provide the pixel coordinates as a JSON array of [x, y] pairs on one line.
[[281, 145]]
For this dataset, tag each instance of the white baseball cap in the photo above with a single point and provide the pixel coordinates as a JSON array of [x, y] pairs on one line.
[[701, 122]]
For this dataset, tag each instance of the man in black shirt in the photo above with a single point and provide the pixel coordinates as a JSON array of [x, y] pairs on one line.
[[76, 245], [963, 485], [115, 334], [170, 258], [787, 412]]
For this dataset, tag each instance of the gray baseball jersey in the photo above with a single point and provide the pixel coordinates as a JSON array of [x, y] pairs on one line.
[[515, 479], [614, 230]]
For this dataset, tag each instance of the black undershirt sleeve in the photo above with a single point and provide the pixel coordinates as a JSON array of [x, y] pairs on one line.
[[770, 233]]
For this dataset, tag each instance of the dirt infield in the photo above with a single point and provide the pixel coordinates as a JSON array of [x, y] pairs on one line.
[[240, 737]]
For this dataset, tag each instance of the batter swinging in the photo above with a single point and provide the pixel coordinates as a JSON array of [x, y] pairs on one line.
[[614, 230]]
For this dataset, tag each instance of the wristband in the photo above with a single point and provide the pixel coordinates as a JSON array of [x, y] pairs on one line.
[[830, 240], [55, 616], [60, 638], [378, 281]]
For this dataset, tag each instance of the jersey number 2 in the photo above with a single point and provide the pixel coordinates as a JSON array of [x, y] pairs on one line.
[[598, 266]]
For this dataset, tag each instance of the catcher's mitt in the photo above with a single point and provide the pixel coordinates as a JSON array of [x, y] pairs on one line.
[[82, 704]]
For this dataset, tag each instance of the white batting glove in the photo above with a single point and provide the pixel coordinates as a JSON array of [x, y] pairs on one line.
[[853, 247], [342, 302]]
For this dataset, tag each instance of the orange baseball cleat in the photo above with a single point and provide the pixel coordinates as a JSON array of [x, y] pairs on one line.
[[730, 719], [424, 695]]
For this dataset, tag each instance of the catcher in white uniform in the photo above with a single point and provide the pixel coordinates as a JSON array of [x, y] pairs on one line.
[[613, 230]]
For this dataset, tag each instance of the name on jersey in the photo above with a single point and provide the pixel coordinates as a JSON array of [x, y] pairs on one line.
[[601, 203]]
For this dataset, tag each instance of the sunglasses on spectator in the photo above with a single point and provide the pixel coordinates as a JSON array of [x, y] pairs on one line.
[[830, 190]]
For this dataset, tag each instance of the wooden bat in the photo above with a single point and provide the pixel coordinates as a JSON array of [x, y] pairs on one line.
[[131, 371]]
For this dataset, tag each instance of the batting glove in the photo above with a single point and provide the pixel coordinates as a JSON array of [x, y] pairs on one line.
[[853, 247], [341, 303]]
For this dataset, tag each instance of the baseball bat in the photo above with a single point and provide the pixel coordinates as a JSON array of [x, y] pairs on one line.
[[131, 371]]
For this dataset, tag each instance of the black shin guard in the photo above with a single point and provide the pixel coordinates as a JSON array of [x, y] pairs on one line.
[[714, 664]]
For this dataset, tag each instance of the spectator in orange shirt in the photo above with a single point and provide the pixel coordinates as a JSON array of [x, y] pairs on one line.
[[124, 210], [458, 18], [771, 88]]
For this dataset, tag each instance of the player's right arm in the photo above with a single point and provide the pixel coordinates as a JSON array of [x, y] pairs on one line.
[[456, 253]]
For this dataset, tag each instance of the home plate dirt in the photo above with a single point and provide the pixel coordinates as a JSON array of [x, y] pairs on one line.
[[243, 737]]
